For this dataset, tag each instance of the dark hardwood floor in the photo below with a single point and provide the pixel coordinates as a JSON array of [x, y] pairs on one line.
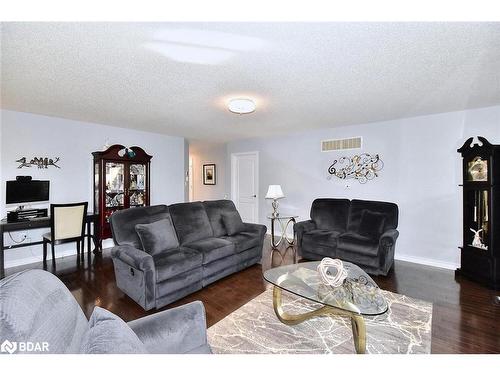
[[466, 318]]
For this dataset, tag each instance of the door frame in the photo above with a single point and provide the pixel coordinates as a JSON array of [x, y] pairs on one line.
[[191, 179], [234, 179]]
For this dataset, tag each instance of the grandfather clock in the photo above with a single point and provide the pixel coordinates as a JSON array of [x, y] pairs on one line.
[[121, 180], [480, 252]]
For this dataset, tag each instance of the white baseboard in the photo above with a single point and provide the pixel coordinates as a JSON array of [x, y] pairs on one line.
[[427, 261], [415, 259], [36, 259], [39, 258]]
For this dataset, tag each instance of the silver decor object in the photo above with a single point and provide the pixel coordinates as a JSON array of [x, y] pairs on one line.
[[336, 278], [363, 167]]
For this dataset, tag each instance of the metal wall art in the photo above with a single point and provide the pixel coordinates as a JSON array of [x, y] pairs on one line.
[[361, 167], [38, 162]]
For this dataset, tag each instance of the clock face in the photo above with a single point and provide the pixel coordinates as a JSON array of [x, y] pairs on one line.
[[478, 169]]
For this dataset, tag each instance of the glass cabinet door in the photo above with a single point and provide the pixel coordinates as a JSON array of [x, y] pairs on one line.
[[477, 169], [476, 218], [97, 209], [137, 185], [115, 187]]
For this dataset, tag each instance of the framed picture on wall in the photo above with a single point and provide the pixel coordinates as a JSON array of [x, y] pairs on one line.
[[209, 174]]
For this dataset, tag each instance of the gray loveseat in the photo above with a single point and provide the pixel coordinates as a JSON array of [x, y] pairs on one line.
[[37, 307], [358, 231], [205, 251]]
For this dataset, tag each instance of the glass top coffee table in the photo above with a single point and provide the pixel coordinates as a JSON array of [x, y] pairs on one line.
[[359, 295]]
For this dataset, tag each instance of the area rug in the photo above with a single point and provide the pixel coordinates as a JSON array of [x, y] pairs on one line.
[[255, 329]]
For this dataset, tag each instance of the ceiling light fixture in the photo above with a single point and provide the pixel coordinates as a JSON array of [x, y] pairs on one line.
[[241, 106]]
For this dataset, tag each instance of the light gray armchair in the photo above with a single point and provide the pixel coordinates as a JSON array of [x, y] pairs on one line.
[[37, 307]]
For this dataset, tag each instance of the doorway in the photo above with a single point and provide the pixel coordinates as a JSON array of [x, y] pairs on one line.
[[245, 184]]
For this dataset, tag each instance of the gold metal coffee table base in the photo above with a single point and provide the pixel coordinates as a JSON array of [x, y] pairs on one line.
[[357, 321]]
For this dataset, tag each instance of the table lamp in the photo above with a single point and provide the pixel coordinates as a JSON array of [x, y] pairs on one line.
[[274, 192]]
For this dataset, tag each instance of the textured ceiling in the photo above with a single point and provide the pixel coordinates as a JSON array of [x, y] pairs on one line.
[[302, 75]]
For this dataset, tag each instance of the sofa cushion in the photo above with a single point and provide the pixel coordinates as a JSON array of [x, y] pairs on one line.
[[108, 334], [190, 221], [244, 240], [215, 210], [157, 237], [174, 262], [173, 285], [368, 263], [321, 242], [321, 237], [330, 214], [123, 223], [371, 224], [390, 210], [213, 248], [233, 223], [354, 242]]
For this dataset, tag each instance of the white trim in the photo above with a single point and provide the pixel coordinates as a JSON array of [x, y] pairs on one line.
[[405, 258], [427, 261], [59, 254], [191, 179], [412, 259], [234, 177]]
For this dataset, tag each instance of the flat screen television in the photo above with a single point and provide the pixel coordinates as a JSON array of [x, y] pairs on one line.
[[29, 191]]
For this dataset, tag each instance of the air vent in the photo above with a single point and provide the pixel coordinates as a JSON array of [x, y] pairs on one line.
[[340, 144]]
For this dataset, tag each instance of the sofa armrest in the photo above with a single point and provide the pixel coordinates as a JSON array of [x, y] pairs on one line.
[[179, 330], [133, 257], [388, 238], [304, 226], [258, 228], [135, 274], [300, 228]]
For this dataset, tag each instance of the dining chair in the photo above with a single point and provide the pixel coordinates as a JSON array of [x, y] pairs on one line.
[[67, 224]]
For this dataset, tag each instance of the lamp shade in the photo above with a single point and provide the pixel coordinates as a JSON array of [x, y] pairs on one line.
[[274, 192]]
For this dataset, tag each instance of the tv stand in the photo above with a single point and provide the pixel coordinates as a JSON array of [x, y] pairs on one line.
[[23, 215]]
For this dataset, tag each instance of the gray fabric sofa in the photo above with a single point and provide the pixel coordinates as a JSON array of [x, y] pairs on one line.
[[37, 307], [358, 231], [206, 252]]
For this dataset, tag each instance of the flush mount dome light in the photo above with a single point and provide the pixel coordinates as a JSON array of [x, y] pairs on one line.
[[241, 106]]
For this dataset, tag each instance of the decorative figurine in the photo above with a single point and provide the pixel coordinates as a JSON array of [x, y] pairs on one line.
[[477, 242]]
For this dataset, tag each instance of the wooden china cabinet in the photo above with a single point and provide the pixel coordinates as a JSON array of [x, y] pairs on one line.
[[480, 252], [121, 180]]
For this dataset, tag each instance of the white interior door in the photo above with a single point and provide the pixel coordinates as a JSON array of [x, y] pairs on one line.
[[245, 185]]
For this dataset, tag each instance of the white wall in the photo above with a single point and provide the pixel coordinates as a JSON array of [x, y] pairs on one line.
[[208, 153], [30, 135], [421, 174]]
